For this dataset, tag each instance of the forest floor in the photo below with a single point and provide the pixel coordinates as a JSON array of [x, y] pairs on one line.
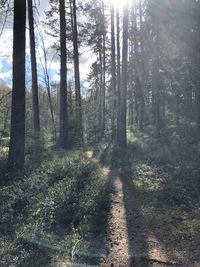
[[132, 236], [104, 206]]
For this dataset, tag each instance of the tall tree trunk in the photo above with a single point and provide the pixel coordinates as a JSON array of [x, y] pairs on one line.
[[156, 92], [123, 111], [113, 72], [103, 117], [131, 109], [79, 128], [198, 106], [118, 72], [63, 78], [139, 82], [70, 99], [157, 85], [100, 91], [142, 83], [17, 132], [35, 102]]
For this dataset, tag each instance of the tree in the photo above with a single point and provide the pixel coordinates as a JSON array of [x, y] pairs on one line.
[[45, 68], [79, 126], [103, 89], [123, 110], [35, 102], [63, 78], [113, 72], [17, 133], [118, 71]]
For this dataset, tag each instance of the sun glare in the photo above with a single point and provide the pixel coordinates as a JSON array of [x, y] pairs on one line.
[[118, 3]]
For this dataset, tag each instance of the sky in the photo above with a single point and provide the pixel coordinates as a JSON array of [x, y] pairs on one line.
[[6, 53]]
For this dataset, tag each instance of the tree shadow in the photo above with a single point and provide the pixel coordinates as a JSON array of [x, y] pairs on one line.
[[141, 234], [137, 234], [144, 230]]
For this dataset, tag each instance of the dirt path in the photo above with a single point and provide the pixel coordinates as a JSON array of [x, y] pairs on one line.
[[118, 235], [130, 241]]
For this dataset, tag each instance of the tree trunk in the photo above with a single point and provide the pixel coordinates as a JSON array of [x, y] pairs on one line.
[[103, 117], [118, 72], [48, 87], [113, 73], [156, 91], [79, 129], [100, 92], [123, 111], [35, 102], [17, 132], [139, 82], [63, 79]]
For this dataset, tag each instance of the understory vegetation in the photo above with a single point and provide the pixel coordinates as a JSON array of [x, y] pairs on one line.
[[58, 210], [164, 175], [99, 133], [54, 207]]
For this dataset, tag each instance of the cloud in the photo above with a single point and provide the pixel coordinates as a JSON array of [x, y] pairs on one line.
[[56, 77], [5, 70], [86, 58], [5, 75], [44, 5], [86, 61]]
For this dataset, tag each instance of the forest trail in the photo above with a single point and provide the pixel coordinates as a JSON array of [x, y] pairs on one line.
[[130, 241]]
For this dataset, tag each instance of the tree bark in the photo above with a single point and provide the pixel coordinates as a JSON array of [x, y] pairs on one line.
[[63, 78], [103, 116], [113, 73], [123, 111], [118, 72], [139, 82], [17, 132], [35, 102], [79, 130]]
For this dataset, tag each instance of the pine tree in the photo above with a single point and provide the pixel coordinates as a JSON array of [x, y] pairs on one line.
[[123, 110], [35, 102], [63, 78], [17, 133]]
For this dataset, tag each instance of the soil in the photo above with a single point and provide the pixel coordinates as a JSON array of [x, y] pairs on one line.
[[129, 238]]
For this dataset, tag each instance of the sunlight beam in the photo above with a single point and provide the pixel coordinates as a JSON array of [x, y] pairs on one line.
[[119, 4]]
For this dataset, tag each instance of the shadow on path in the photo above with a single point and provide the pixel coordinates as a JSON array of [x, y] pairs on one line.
[[133, 242]]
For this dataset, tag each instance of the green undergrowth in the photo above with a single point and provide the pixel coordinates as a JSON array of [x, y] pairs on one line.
[[4, 143], [170, 205], [165, 176], [58, 209]]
